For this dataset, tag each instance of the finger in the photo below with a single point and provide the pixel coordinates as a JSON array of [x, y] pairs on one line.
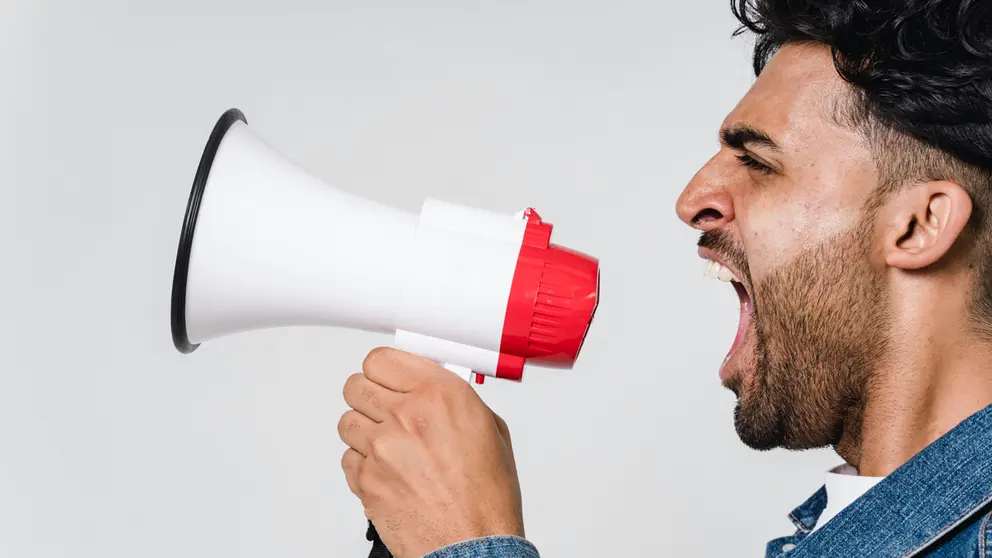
[[370, 398], [401, 371], [351, 463], [356, 430]]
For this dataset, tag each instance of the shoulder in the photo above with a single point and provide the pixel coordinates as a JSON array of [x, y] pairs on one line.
[[971, 538]]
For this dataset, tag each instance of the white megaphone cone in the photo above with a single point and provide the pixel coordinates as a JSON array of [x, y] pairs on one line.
[[265, 244]]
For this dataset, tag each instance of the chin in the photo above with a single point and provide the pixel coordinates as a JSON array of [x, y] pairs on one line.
[[761, 435], [765, 420], [759, 419]]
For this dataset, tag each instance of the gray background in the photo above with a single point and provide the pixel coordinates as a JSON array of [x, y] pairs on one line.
[[597, 113]]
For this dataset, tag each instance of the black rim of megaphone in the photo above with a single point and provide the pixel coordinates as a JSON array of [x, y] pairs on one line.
[[179, 334]]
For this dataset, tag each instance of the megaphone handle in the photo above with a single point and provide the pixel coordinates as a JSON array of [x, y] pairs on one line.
[[442, 350], [379, 549], [463, 371]]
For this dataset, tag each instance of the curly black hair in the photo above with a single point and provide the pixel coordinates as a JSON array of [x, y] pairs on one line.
[[924, 66], [921, 74]]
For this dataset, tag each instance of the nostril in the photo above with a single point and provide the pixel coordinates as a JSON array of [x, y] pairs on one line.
[[707, 216]]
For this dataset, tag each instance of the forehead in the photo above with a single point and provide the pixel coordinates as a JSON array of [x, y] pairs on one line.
[[826, 165], [796, 98]]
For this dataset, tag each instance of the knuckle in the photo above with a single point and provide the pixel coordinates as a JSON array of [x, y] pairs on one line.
[[386, 447], [372, 397], [414, 416], [404, 410], [379, 447], [400, 411]]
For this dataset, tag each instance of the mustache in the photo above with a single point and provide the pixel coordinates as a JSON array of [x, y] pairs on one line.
[[724, 243]]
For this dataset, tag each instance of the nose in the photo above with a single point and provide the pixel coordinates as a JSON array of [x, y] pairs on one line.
[[706, 203]]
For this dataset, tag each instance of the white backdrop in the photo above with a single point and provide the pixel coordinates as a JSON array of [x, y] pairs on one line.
[[112, 444]]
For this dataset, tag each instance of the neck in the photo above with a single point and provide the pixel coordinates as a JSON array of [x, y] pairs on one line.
[[935, 375]]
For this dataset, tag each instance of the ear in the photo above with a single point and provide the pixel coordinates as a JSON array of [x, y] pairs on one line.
[[924, 222]]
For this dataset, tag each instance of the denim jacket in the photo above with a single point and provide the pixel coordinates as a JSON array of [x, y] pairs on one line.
[[938, 505]]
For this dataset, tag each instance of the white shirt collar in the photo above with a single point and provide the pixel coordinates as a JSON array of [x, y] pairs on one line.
[[843, 486]]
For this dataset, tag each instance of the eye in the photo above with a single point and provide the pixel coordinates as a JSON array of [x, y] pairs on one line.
[[751, 162]]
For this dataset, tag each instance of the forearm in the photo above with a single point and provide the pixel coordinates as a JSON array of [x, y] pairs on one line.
[[488, 547]]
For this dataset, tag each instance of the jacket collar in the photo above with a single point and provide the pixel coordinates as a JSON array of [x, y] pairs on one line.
[[936, 490], [806, 515]]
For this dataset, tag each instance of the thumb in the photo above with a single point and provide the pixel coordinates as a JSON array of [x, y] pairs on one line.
[[504, 430]]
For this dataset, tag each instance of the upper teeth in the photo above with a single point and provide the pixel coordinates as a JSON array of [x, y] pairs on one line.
[[717, 271]]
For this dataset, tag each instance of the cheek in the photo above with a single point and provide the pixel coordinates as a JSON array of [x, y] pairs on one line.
[[776, 231]]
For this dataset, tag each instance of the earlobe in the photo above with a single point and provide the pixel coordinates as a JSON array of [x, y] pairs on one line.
[[927, 221]]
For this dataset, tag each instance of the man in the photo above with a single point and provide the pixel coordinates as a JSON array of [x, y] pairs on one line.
[[849, 206]]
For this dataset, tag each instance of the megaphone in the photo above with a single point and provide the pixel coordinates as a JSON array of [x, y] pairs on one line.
[[266, 244]]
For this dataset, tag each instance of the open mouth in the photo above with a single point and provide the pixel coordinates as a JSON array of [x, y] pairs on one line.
[[717, 268]]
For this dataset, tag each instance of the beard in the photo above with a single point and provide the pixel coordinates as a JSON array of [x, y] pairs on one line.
[[818, 326]]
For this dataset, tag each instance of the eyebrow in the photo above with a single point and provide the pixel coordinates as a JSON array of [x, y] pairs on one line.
[[741, 135]]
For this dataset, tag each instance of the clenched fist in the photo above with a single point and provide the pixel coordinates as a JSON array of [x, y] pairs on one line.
[[430, 461]]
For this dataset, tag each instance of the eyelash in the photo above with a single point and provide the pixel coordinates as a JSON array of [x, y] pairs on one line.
[[753, 163]]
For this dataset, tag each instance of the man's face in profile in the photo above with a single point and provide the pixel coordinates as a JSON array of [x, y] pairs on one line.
[[785, 208]]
